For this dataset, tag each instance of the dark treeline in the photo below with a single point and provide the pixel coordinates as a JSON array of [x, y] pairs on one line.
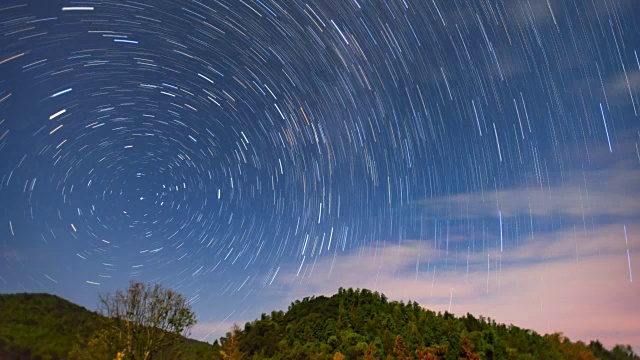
[[360, 324]]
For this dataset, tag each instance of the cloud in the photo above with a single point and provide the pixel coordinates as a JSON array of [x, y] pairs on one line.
[[548, 12], [611, 191], [619, 88], [541, 284], [538, 12]]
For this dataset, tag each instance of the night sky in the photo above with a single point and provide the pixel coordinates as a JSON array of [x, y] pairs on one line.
[[474, 155]]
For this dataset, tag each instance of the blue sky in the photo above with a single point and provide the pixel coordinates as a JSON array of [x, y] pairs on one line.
[[477, 156]]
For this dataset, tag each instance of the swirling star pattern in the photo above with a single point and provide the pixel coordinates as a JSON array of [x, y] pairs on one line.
[[224, 147]]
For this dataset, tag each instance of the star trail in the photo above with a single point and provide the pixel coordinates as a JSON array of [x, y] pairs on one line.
[[471, 155]]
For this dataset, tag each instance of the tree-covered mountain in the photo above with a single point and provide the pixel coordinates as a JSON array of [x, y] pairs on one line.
[[360, 324], [41, 325], [44, 326]]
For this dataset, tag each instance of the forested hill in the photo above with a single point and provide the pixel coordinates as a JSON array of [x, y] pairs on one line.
[[360, 324], [41, 326], [44, 326]]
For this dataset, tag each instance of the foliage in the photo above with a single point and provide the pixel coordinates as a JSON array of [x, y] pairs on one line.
[[141, 322], [47, 327], [619, 352], [357, 324], [13, 352], [41, 325]]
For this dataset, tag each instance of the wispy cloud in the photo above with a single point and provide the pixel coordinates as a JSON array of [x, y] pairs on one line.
[[551, 12], [612, 191], [621, 87]]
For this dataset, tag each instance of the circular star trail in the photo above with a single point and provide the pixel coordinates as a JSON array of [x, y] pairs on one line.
[[221, 145]]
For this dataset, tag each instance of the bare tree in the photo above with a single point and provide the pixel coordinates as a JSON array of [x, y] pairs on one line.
[[144, 322]]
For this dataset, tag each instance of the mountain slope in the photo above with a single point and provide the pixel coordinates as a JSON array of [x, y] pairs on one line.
[[44, 326]]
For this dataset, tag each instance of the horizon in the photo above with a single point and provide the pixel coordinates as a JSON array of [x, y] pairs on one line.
[[479, 157], [224, 328]]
